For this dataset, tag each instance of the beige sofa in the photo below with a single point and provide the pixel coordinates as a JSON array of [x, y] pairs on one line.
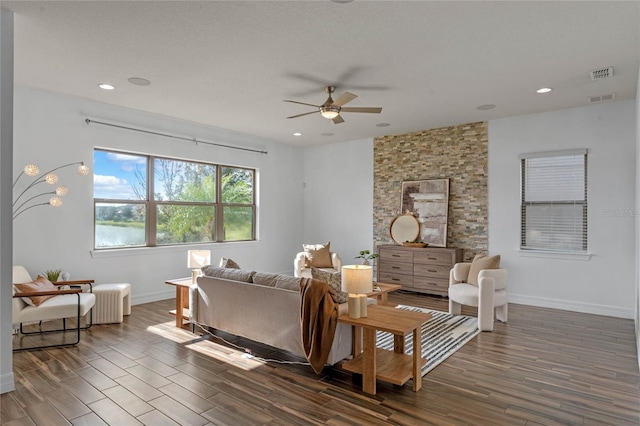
[[259, 306]]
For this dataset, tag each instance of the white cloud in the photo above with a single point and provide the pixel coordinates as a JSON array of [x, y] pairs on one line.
[[112, 187]]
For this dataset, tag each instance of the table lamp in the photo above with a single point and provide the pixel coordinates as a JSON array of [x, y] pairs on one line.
[[196, 259], [357, 280]]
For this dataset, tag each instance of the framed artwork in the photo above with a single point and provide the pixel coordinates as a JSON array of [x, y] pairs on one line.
[[429, 202]]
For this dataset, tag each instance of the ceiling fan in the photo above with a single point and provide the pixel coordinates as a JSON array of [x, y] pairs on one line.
[[331, 109]]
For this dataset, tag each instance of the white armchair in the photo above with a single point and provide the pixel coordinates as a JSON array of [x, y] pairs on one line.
[[489, 295], [61, 304], [300, 268]]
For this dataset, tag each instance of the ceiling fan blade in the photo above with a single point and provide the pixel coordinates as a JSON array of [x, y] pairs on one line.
[[344, 98], [337, 120], [301, 115], [372, 110], [302, 103]]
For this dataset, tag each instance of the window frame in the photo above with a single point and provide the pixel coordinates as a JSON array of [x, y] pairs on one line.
[[151, 204], [553, 248]]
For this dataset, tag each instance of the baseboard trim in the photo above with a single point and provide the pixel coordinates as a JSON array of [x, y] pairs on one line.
[[569, 305], [153, 297], [7, 383]]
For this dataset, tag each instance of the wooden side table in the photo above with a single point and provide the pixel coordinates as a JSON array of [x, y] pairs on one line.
[[382, 296], [182, 299], [379, 364]]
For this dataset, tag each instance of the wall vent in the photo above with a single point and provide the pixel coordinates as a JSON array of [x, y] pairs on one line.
[[601, 98], [601, 73]]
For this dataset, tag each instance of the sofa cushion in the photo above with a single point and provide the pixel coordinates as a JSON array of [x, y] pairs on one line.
[[229, 273], [228, 263], [39, 284], [480, 262], [334, 280], [277, 280], [318, 255]]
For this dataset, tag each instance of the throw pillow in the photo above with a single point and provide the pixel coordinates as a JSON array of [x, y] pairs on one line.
[[334, 279], [228, 263], [37, 285], [228, 273], [479, 263], [318, 255]]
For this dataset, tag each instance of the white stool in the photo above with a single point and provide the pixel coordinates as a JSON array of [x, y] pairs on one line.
[[113, 301]]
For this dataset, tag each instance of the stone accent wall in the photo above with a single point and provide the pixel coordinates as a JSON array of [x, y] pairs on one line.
[[458, 153]]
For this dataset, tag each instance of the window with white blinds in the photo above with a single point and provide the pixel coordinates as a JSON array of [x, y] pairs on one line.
[[554, 201]]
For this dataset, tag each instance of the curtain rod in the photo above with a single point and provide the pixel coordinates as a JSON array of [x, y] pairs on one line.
[[194, 140]]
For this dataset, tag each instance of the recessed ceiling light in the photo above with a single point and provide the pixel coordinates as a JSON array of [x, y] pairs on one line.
[[327, 134], [138, 81], [106, 86], [485, 107], [544, 90], [383, 125], [297, 134]]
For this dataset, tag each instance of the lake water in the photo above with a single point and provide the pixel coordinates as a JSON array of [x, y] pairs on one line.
[[118, 236]]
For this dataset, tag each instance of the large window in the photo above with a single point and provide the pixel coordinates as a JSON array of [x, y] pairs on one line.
[[142, 200], [554, 201]]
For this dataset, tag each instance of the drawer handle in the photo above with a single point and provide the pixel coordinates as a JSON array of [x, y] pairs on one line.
[[395, 279], [432, 270], [395, 267], [395, 255], [432, 258]]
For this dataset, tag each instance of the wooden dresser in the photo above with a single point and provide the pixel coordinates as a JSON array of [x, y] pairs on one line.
[[425, 270]]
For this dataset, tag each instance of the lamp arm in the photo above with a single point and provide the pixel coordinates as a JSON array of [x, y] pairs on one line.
[[35, 196], [66, 165], [18, 178], [16, 214], [31, 185]]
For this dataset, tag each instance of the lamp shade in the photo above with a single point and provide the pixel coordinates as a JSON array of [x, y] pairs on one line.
[[198, 258], [357, 279]]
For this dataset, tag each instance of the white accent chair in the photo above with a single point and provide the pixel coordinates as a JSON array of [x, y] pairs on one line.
[[489, 296], [300, 269], [66, 304]]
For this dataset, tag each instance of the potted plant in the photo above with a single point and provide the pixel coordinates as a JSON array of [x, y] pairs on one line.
[[366, 256], [52, 274]]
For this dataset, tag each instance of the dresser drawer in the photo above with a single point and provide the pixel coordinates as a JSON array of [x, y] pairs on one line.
[[432, 285], [392, 255], [394, 278], [431, 270], [434, 257], [396, 267]]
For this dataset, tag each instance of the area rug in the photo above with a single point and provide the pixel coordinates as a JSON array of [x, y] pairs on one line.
[[442, 335]]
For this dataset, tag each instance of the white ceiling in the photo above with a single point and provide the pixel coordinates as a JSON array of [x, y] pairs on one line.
[[230, 64]]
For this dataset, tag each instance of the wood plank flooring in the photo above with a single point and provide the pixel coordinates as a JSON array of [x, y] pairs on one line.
[[544, 367]]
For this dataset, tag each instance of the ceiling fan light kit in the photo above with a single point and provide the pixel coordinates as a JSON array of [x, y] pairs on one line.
[[330, 112], [331, 109]]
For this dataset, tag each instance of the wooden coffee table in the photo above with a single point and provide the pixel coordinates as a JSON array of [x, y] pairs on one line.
[[379, 364], [182, 299], [382, 296]]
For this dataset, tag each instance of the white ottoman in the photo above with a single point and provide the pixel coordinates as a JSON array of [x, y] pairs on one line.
[[113, 301]]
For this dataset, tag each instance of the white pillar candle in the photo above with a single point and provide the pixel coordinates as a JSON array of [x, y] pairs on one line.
[[354, 306], [363, 305]]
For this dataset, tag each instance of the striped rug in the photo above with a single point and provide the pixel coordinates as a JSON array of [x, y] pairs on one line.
[[442, 335]]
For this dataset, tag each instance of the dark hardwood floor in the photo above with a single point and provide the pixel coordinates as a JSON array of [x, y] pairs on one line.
[[544, 367]]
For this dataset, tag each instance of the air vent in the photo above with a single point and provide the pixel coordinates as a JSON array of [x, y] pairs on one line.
[[601, 98], [601, 73]]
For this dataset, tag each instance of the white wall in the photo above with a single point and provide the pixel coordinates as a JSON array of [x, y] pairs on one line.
[[338, 197], [605, 284], [50, 131], [6, 171]]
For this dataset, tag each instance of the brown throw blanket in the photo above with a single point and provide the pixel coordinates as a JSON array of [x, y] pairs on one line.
[[319, 317]]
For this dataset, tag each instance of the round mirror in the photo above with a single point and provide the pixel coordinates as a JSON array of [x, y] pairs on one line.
[[404, 227]]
